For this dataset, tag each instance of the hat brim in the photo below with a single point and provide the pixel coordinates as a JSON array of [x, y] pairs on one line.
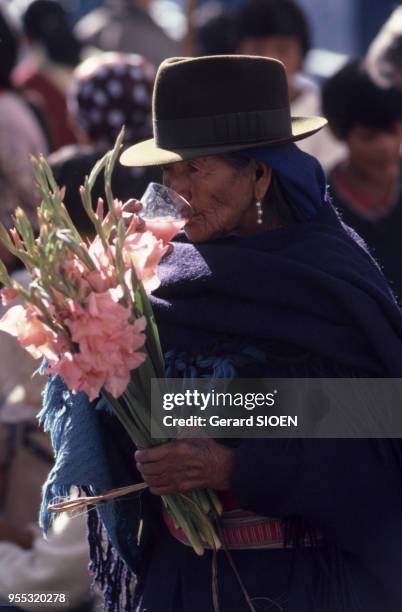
[[147, 153]]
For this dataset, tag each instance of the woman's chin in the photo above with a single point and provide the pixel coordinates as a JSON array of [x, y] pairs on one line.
[[196, 231], [194, 236]]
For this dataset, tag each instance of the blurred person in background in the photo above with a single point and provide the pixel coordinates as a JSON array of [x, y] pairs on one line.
[[126, 26], [279, 29], [25, 450], [366, 184], [21, 135], [53, 53], [215, 30], [227, 5], [384, 57], [109, 91], [29, 563]]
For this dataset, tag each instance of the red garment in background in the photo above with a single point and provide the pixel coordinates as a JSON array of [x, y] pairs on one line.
[[52, 100]]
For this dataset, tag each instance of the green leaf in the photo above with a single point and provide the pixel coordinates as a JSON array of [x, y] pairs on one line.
[[66, 236], [110, 163], [4, 277], [6, 240], [99, 166], [48, 173], [24, 228]]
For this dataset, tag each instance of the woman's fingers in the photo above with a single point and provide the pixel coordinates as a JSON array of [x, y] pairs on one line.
[[140, 226], [171, 479], [151, 469], [156, 453], [181, 465], [174, 488], [132, 206], [132, 221], [172, 467]]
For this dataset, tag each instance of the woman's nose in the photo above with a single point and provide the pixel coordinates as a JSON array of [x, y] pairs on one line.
[[182, 188], [175, 177]]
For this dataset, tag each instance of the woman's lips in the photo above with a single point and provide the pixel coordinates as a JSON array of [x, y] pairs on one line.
[[193, 218]]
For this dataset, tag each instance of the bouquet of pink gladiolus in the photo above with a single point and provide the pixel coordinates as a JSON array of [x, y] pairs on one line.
[[87, 313]]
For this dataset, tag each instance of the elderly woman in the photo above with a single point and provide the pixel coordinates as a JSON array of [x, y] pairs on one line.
[[265, 282]]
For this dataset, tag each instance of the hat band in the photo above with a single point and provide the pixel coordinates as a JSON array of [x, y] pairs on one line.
[[232, 128]]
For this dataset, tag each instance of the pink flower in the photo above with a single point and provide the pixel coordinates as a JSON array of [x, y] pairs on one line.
[[144, 251], [118, 208], [75, 271], [33, 335], [11, 319], [8, 295], [97, 252], [108, 346], [141, 249], [79, 375], [100, 209], [104, 277]]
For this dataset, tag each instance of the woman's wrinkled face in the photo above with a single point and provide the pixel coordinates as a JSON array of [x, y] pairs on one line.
[[376, 154], [222, 196]]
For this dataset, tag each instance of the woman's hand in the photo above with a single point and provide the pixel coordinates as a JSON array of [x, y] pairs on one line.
[[133, 207], [126, 212], [182, 465]]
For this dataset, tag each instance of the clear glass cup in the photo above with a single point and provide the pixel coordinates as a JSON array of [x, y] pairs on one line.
[[164, 211]]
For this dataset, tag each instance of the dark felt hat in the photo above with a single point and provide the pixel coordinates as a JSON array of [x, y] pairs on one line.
[[217, 104]]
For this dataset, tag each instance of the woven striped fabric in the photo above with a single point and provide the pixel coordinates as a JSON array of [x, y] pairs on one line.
[[241, 530]]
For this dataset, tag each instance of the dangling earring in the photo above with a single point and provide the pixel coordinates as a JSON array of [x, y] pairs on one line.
[[260, 212]]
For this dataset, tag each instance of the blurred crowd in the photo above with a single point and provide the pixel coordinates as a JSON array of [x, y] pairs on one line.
[[65, 92]]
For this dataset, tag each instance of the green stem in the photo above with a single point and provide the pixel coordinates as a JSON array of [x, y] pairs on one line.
[[174, 509], [131, 427]]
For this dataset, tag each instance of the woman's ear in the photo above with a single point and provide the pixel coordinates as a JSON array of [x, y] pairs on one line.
[[263, 177]]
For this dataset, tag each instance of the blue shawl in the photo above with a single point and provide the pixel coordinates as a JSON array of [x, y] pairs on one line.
[[309, 287], [299, 175]]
